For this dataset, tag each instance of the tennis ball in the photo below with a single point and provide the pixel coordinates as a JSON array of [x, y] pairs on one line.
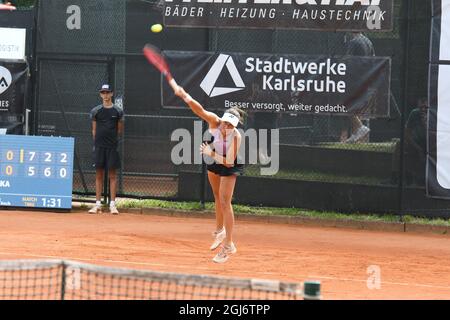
[[157, 28]]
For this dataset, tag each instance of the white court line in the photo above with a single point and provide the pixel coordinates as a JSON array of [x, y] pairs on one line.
[[208, 269], [386, 282], [81, 259]]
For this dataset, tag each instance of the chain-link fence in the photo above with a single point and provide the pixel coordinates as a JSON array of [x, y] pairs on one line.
[[74, 60]]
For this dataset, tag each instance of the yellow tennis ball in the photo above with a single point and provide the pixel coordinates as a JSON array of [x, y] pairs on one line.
[[157, 28]]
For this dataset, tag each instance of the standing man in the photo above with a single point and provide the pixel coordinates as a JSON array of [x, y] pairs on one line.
[[107, 127], [357, 45]]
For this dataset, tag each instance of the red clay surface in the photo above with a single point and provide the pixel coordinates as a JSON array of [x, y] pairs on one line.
[[412, 266]]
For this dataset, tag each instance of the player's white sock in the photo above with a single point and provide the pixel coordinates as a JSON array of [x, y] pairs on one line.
[[98, 203], [112, 204]]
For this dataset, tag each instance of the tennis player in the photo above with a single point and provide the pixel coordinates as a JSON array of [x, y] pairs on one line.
[[222, 174]]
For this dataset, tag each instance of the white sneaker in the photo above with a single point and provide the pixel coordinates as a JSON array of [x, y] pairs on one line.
[[218, 236], [225, 253], [113, 210], [95, 209], [362, 132]]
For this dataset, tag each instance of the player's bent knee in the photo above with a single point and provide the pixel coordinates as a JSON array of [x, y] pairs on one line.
[[225, 202]]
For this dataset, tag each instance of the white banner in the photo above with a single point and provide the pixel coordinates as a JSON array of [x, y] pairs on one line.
[[443, 128], [438, 145], [12, 43], [444, 53]]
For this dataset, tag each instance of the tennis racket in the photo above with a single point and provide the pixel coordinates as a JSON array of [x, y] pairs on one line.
[[155, 57]]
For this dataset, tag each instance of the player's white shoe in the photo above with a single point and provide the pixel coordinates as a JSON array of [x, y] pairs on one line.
[[225, 253], [113, 210], [95, 209], [218, 236]]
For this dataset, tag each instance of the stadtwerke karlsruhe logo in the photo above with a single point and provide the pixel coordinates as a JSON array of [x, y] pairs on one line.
[[5, 79], [209, 82]]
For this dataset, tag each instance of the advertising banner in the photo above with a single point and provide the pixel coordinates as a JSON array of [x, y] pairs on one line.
[[438, 133], [13, 78], [283, 83], [342, 15]]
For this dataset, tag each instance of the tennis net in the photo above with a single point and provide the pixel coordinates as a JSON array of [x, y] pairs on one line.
[[69, 280]]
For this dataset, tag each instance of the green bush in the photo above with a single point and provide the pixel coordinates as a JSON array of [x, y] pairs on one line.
[[23, 3]]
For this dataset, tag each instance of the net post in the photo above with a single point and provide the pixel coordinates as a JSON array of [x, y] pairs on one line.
[[63, 280], [311, 290]]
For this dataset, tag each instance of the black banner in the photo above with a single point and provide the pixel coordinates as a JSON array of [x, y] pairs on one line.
[[283, 83], [13, 78], [343, 15]]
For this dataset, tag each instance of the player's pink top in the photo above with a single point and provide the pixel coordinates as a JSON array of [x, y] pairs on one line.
[[220, 144]]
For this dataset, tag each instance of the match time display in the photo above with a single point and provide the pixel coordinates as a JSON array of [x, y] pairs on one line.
[[36, 172]]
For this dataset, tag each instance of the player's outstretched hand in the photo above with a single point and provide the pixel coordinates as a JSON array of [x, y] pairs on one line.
[[179, 91]]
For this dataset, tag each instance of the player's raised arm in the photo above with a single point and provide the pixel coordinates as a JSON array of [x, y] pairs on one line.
[[210, 117]]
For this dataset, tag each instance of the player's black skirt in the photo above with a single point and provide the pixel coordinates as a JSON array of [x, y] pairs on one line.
[[223, 171], [106, 158]]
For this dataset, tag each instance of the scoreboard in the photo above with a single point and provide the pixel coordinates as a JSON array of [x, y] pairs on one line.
[[36, 172]]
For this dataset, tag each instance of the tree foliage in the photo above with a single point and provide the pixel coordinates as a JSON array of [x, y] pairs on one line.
[[23, 3]]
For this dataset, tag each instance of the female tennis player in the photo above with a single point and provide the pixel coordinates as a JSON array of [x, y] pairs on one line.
[[223, 172]]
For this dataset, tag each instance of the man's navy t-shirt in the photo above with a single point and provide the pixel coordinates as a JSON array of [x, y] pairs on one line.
[[107, 120]]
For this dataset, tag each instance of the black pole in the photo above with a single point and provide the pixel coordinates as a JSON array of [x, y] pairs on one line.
[[32, 67], [204, 176], [66, 122], [119, 172], [404, 108], [35, 70], [203, 185], [63, 280]]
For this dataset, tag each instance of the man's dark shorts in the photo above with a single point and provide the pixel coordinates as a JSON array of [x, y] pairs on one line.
[[106, 158]]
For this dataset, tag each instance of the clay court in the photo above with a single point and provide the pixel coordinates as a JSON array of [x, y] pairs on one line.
[[413, 266]]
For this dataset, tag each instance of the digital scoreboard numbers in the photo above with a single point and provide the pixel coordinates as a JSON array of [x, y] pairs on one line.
[[36, 172]]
